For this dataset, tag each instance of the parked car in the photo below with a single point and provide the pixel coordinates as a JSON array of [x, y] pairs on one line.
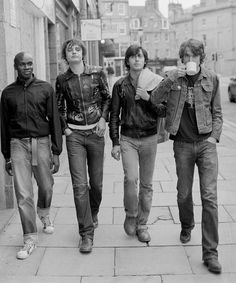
[[232, 89]]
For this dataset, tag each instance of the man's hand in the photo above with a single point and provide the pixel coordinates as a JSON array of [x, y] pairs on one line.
[[101, 127], [8, 167], [211, 140], [115, 152], [177, 73], [141, 93], [55, 164], [67, 132]]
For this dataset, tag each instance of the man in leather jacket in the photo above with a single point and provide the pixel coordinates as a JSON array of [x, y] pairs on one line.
[[137, 143], [83, 101], [29, 116], [194, 121]]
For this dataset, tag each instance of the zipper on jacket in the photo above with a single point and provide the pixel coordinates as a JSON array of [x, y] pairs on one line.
[[26, 109], [86, 122]]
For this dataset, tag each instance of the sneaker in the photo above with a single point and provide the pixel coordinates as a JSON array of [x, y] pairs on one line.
[[130, 225], [27, 250], [47, 224], [143, 235], [95, 221], [86, 245], [185, 236], [213, 265]]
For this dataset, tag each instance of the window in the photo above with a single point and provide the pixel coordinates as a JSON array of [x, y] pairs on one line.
[[204, 22], [121, 9], [108, 8], [122, 28], [157, 37], [164, 24], [166, 37]]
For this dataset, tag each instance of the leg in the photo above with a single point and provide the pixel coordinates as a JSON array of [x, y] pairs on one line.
[[147, 157], [95, 152], [208, 170], [185, 162], [129, 154], [22, 171], [44, 179], [77, 155]]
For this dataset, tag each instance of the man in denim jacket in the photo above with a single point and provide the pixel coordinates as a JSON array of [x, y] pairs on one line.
[[194, 121]]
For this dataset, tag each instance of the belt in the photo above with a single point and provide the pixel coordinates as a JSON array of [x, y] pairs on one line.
[[34, 149]]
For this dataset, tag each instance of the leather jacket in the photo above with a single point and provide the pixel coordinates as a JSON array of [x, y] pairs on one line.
[[84, 99], [207, 102], [137, 118]]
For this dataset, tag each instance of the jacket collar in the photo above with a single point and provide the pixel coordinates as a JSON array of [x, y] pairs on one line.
[[87, 70], [26, 83]]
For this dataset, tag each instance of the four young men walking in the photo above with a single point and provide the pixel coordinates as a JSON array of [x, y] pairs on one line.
[[190, 100]]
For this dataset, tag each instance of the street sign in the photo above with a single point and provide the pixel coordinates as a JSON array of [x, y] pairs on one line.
[[91, 29]]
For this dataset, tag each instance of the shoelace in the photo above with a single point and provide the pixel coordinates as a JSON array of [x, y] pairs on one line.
[[27, 246]]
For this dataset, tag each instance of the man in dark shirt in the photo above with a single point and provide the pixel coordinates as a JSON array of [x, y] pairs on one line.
[[29, 115], [194, 121]]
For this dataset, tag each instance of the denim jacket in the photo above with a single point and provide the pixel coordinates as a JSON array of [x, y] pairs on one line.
[[207, 102], [84, 99]]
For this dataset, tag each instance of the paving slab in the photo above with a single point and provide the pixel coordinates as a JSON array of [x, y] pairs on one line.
[[39, 279], [158, 260], [168, 235], [5, 217], [206, 278], [10, 265], [227, 258], [231, 209], [70, 262], [224, 216], [157, 215], [67, 215], [122, 279]]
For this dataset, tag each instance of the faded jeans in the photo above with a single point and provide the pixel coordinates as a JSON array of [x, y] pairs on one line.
[[86, 156], [204, 155], [138, 158], [21, 156]]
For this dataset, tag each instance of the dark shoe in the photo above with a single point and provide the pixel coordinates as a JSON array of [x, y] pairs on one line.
[[143, 236], [130, 225], [95, 221], [185, 236], [86, 245], [213, 265]]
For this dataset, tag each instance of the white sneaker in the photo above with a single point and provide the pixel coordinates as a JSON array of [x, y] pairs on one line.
[[47, 225], [27, 250]]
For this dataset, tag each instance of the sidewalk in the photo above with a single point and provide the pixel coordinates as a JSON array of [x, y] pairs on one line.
[[117, 257]]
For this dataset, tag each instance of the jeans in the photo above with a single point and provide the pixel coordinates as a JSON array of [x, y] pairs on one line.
[[21, 156], [204, 155], [86, 156], [138, 158]]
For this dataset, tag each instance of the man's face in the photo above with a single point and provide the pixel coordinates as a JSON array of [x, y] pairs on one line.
[[74, 53], [189, 56], [136, 62], [24, 67]]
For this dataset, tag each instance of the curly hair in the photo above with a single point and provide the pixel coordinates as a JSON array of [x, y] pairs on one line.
[[72, 42], [134, 50], [196, 46]]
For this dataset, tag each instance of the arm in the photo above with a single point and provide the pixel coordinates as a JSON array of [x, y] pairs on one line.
[[55, 127], [115, 115], [105, 94], [5, 124], [217, 120], [61, 104]]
